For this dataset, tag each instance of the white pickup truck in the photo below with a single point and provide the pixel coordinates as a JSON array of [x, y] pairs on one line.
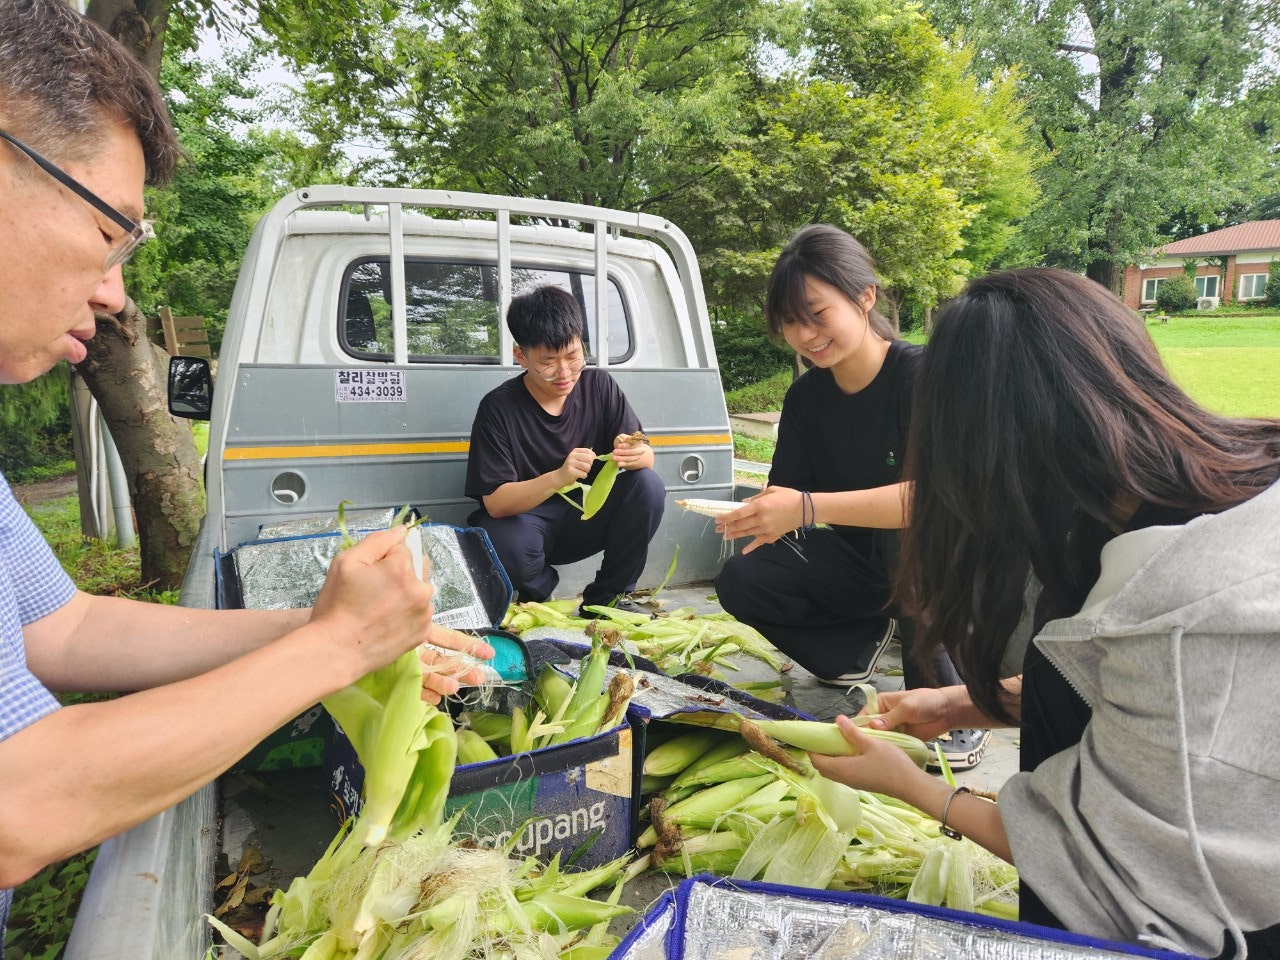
[[365, 327]]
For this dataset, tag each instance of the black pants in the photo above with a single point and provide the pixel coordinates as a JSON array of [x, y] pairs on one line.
[[825, 607], [530, 544]]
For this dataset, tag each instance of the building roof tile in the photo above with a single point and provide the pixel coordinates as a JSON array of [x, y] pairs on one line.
[[1242, 238]]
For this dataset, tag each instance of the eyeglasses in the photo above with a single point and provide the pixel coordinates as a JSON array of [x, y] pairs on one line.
[[135, 232], [552, 371]]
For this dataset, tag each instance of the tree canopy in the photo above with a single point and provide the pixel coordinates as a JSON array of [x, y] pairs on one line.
[[740, 120], [1138, 103]]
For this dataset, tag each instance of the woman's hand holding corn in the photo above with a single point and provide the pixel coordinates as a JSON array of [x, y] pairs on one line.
[[767, 517]]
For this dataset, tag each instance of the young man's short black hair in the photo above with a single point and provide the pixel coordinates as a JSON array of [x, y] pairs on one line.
[[547, 317]]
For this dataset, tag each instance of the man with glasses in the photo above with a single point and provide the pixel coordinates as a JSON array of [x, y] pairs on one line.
[[541, 432], [82, 126]]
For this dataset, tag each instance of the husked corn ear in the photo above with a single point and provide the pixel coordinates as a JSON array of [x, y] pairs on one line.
[[707, 806], [668, 759], [710, 508], [553, 692], [742, 764]]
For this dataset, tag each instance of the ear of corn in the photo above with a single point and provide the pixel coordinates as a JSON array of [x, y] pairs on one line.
[[673, 756], [743, 764], [650, 784], [521, 741], [473, 748], [492, 727], [586, 707], [711, 852], [600, 487], [728, 748], [709, 508], [553, 692], [826, 738], [705, 807]]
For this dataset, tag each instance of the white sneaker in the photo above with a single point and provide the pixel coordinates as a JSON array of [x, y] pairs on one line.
[[963, 749], [869, 658]]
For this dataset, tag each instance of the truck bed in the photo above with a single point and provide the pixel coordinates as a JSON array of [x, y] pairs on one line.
[[151, 887]]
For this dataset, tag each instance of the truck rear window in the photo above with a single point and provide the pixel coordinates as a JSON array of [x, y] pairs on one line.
[[452, 309]]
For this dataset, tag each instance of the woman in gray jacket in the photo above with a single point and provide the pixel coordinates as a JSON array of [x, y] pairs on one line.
[[1050, 445]]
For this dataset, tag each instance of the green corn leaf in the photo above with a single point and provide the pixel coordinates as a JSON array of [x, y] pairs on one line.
[[600, 487]]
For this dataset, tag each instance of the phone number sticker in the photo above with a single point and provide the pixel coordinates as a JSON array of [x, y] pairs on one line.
[[368, 386]]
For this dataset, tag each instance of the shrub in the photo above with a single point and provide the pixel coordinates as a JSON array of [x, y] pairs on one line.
[[760, 397], [1176, 294], [745, 352], [1273, 291], [35, 426]]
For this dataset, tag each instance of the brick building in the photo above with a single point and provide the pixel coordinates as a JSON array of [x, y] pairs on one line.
[[1231, 264]]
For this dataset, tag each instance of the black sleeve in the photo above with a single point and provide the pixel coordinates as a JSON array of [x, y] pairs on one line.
[[620, 417], [489, 463], [792, 464]]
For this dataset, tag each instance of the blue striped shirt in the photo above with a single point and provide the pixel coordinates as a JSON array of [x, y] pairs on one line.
[[32, 585]]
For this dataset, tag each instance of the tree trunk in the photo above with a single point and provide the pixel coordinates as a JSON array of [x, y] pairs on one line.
[[928, 320], [890, 299], [139, 25], [125, 373], [1108, 273]]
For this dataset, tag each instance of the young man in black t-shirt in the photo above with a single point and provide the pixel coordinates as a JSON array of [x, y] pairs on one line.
[[540, 432]]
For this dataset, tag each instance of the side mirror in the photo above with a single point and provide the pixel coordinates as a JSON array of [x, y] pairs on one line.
[[190, 387]]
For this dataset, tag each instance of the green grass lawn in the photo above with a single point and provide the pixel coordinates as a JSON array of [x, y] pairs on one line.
[[1230, 365]]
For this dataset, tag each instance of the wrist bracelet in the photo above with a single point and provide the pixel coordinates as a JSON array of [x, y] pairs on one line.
[[808, 516], [943, 829]]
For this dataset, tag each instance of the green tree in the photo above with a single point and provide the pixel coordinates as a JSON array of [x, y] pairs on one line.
[[125, 373], [205, 217], [1273, 291], [1137, 102], [236, 169], [880, 130], [585, 101]]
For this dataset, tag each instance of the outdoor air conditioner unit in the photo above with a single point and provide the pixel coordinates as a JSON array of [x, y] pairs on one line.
[[1206, 303]]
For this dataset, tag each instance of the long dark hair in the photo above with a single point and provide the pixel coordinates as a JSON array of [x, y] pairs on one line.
[[1041, 405], [821, 252]]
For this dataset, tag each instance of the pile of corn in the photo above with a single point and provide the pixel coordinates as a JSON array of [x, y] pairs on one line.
[[678, 641], [718, 805], [561, 711], [395, 885]]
